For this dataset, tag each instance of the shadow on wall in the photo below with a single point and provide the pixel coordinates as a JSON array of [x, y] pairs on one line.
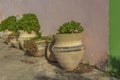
[[115, 66]]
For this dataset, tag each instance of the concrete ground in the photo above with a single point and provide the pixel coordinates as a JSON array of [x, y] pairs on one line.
[[15, 65]]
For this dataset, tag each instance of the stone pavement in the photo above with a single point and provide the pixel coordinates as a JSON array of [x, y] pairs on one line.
[[15, 65]]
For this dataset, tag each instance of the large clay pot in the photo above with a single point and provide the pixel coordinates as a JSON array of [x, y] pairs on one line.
[[23, 35], [68, 50]]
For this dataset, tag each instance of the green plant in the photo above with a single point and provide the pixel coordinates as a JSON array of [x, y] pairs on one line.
[[29, 22], [71, 27], [114, 66], [113, 72], [46, 38], [10, 24], [39, 37]]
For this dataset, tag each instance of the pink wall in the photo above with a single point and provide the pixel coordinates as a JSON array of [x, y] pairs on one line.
[[93, 15]]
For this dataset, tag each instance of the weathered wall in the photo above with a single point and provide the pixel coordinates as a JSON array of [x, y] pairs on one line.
[[93, 15]]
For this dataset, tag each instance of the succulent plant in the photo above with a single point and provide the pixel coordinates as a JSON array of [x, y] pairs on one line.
[[29, 22], [10, 24], [71, 27]]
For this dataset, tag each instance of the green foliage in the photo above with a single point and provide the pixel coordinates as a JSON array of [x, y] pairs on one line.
[[10, 24], [114, 66], [29, 22], [71, 27], [39, 37], [114, 72]]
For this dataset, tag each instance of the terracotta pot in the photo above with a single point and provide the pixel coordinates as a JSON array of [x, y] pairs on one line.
[[68, 50], [23, 35]]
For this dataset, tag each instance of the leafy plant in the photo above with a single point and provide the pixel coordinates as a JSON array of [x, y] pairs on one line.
[[114, 67], [46, 38], [71, 27], [29, 22], [39, 37], [113, 72], [10, 24]]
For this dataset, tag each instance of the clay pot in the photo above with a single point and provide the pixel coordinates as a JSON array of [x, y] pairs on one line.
[[41, 47], [35, 48], [68, 50]]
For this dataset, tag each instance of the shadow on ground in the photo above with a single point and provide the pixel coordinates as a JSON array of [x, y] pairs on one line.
[[61, 78]]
